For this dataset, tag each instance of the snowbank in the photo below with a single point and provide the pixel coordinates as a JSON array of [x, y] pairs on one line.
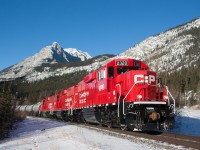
[[187, 121]]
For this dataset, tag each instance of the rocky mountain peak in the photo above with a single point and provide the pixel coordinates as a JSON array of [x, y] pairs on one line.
[[56, 47], [55, 44], [47, 55]]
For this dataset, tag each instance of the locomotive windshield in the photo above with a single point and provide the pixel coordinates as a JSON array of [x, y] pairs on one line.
[[122, 70]]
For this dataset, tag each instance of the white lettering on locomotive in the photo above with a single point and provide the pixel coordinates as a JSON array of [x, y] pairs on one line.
[[101, 87], [50, 106], [68, 100], [81, 101], [122, 63], [140, 78], [152, 79], [67, 104], [82, 97], [84, 94]]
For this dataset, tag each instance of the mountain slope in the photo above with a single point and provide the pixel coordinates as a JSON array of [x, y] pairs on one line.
[[46, 71], [170, 50], [48, 55]]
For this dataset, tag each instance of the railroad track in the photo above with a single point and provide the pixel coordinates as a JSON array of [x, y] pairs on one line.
[[157, 138]]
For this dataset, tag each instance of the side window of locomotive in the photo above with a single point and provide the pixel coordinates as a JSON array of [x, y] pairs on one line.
[[110, 72], [101, 74]]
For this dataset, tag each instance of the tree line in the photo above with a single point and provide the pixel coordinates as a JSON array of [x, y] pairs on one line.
[[30, 93], [184, 84]]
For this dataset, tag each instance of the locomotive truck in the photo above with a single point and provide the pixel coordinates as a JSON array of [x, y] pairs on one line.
[[124, 93]]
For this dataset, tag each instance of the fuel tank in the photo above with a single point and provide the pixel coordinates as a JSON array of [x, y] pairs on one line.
[[89, 115]]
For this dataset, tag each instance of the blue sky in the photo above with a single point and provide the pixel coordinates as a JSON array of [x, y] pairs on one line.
[[96, 26]]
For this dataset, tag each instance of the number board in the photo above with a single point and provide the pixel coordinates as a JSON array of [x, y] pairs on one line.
[[122, 63]]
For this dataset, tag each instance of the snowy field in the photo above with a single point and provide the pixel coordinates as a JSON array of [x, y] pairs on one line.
[[40, 133], [188, 121]]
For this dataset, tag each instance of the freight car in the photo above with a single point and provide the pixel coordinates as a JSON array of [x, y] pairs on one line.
[[123, 93]]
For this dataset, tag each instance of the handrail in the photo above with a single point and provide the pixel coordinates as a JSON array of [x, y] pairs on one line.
[[172, 99], [127, 95], [119, 99]]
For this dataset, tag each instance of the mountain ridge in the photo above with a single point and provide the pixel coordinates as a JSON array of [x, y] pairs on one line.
[[47, 55]]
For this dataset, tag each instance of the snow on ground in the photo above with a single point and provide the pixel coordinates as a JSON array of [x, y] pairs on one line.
[[40, 133], [187, 121]]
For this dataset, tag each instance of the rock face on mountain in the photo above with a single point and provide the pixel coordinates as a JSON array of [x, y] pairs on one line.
[[170, 50], [48, 55]]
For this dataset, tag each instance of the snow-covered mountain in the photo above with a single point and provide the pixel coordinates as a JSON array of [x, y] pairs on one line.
[[48, 55], [78, 53], [47, 72], [170, 50]]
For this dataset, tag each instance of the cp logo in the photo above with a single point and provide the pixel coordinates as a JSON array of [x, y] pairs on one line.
[[140, 78]]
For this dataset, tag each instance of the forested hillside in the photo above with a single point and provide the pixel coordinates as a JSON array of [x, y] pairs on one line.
[[184, 84], [35, 91]]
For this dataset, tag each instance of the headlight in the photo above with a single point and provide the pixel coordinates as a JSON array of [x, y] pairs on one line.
[[146, 79], [166, 97], [139, 97]]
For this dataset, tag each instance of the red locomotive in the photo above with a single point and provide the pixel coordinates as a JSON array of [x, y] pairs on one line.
[[124, 93]]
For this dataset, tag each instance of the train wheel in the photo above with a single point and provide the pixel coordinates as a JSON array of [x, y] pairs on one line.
[[130, 120], [123, 127], [100, 123], [109, 124], [65, 117]]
